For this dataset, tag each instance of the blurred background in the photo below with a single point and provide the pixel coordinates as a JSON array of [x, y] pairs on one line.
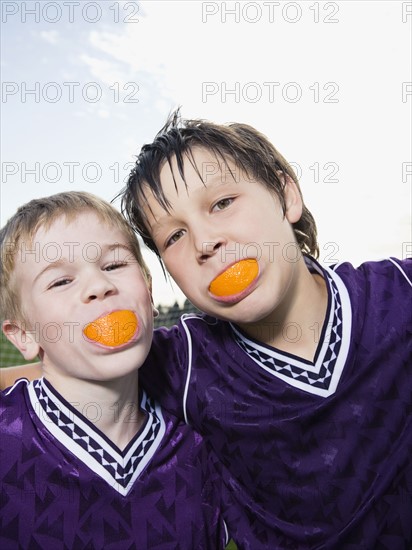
[[86, 84]]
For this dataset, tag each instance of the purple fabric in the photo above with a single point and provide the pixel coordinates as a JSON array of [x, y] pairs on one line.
[[65, 486], [321, 452]]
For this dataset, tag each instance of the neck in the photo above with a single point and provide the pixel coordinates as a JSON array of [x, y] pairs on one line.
[[295, 325], [112, 406]]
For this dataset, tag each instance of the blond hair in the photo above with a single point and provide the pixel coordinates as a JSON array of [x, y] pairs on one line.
[[42, 212]]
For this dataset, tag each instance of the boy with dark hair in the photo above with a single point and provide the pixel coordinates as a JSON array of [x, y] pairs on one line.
[[299, 375], [88, 459]]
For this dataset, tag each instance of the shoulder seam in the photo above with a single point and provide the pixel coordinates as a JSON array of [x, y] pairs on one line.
[[16, 383], [401, 270], [189, 367]]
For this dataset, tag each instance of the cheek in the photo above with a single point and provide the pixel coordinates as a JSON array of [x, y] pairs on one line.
[[180, 279], [184, 279], [175, 266], [32, 315]]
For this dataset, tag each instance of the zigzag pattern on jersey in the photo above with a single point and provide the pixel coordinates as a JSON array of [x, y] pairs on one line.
[[320, 378], [106, 456]]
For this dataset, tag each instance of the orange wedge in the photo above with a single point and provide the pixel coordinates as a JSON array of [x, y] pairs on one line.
[[114, 329], [235, 279]]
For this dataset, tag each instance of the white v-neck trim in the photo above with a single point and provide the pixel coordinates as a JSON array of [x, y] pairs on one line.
[[119, 469], [322, 376]]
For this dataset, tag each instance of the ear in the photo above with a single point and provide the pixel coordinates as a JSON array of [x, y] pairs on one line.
[[22, 338], [155, 311], [293, 200]]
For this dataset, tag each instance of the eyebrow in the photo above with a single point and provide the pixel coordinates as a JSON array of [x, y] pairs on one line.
[[110, 247], [116, 246], [49, 267], [62, 262]]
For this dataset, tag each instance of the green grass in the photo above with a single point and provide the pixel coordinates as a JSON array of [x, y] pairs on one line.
[[9, 355]]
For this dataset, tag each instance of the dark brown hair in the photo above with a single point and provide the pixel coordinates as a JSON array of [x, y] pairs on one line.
[[249, 149]]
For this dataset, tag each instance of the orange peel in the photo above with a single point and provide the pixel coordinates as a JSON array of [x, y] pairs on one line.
[[114, 329], [235, 279]]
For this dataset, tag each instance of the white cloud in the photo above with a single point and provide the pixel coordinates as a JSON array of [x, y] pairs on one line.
[[106, 71], [51, 37], [103, 113]]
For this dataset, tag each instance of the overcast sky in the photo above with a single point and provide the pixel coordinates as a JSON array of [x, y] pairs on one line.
[[86, 84]]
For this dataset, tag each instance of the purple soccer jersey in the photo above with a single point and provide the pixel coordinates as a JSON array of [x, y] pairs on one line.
[[64, 485], [321, 451]]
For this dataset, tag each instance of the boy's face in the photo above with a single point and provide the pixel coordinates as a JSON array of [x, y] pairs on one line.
[[70, 275], [211, 226]]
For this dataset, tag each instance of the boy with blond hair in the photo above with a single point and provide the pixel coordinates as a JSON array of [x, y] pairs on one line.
[[88, 459]]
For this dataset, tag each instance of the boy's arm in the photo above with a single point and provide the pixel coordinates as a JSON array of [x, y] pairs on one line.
[[164, 372], [9, 375]]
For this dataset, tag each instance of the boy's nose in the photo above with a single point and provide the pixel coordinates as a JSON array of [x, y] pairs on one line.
[[207, 249], [98, 288]]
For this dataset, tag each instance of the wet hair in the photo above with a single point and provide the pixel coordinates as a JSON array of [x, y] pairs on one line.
[[250, 150], [22, 227]]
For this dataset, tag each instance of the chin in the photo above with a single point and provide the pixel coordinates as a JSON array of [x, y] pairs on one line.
[[241, 314]]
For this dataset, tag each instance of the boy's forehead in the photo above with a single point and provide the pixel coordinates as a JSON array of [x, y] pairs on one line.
[[67, 223], [67, 234], [67, 239], [201, 163]]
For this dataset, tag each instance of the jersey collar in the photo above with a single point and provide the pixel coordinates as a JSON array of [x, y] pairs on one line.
[[320, 377], [78, 435]]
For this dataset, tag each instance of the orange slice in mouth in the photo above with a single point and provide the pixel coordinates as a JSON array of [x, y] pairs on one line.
[[114, 329], [235, 279]]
